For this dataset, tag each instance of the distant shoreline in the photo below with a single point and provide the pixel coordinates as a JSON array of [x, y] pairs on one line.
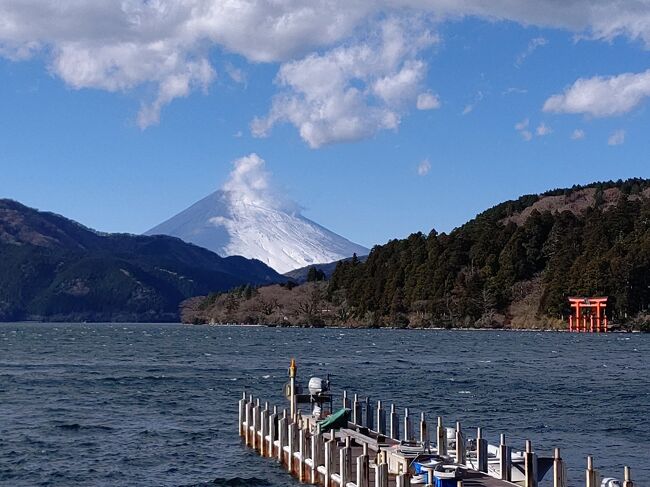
[[437, 328], [257, 325]]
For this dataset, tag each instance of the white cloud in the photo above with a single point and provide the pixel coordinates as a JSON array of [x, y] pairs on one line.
[[602, 96], [578, 134], [522, 125], [424, 167], [236, 74], [522, 128], [543, 129], [531, 48], [166, 47], [351, 92], [250, 183], [469, 108], [616, 138], [515, 91], [427, 101]]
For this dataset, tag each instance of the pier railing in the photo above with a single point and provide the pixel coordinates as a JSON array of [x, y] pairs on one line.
[[348, 457]]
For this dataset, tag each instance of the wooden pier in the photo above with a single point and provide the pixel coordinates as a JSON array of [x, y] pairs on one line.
[[365, 449]]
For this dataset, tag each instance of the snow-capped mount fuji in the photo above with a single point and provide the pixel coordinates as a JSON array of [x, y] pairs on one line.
[[284, 239]]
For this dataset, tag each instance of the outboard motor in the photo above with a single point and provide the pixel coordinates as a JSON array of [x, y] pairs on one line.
[[316, 387], [611, 482]]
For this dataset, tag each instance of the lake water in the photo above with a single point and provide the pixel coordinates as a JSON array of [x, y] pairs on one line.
[[153, 405]]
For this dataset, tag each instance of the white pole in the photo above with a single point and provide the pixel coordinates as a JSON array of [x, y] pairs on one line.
[[530, 465], [242, 413], [441, 437], [394, 423], [363, 470], [481, 451], [504, 460], [460, 445], [558, 470], [424, 432], [292, 384], [407, 425]]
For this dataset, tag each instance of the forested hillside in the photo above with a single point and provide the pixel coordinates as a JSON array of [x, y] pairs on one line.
[[514, 264]]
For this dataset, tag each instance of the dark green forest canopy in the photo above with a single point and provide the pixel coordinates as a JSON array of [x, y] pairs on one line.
[[517, 260]]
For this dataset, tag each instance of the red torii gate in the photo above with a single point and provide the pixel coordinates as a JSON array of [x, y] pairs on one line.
[[578, 322]]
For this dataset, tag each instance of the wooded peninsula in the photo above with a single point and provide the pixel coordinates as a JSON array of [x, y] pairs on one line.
[[513, 266]]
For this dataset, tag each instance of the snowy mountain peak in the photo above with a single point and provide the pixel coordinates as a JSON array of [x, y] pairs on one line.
[[230, 225], [247, 217]]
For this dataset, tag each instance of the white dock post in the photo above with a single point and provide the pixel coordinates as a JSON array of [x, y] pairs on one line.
[[316, 456], [403, 480], [504, 459], [424, 432], [559, 479], [408, 434], [242, 413], [368, 414], [530, 466], [346, 400], [256, 424], [627, 478], [461, 456], [330, 454], [441, 436], [302, 449], [264, 429], [291, 443], [381, 475], [282, 436], [363, 468], [249, 420], [481, 452], [591, 474], [345, 467], [394, 423], [273, 431], [356, 411], [381, 419]]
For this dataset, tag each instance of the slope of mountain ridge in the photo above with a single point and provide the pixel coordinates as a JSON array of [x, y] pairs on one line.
[[53, 268], [300, 275], [284, 240]]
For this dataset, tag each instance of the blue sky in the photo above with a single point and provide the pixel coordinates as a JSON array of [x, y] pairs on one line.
[[119, 137]]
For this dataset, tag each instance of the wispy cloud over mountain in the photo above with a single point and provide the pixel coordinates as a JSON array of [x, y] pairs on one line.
[[249, 182]]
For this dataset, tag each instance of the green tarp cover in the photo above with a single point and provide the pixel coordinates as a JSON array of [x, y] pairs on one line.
[[336, 420]]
